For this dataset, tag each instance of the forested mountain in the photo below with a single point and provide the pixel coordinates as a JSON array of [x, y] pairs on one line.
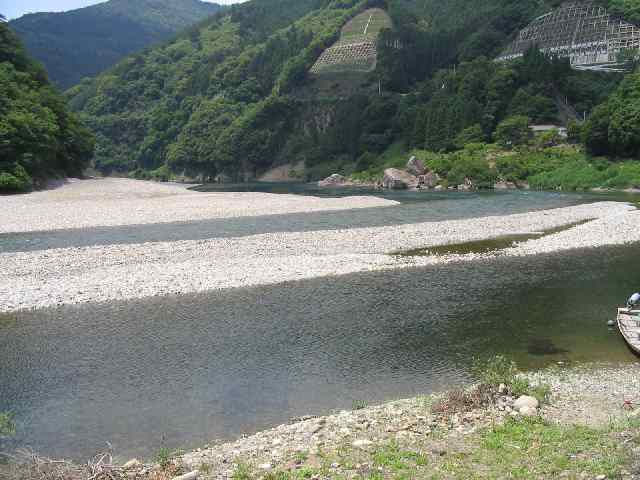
[[84, 42], [39, 137], [234, 96]]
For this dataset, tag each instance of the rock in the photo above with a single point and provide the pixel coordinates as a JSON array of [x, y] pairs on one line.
[[429, 180], [332, 181], [362, 443], [415, 166], [528, 411], [504, 186], [526, 401], [265, 466], [187, 476], [601, 477], [502, 388], [438, 188], [464, 187], [131, 464], [398, 179]]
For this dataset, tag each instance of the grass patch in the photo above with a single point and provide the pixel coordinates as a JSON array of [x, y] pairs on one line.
[[359, 405], [532, 448], [242, 472]]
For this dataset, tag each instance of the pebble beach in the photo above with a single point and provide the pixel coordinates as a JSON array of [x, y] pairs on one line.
[[47, 278]]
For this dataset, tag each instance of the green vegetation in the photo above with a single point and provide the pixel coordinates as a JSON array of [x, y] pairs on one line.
[[527, 449], [232, 97], [39, 137], [84, 42], [629, 9], [501, 371], [7, 427]]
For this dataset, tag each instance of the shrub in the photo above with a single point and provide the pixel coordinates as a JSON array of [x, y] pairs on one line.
[[513, 131], [472, 134], [15, 180], [7, 427]]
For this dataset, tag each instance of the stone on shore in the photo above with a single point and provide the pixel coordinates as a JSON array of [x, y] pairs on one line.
[[131, 464], [396, 179], [334, 180], [429, 180], [504, 186], [187, 476], [526, 402], [415, 166]]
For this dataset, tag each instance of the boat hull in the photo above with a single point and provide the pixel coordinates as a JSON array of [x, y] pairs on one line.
[[629, 326]]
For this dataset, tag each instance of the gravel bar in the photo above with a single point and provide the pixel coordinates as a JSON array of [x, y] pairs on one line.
[[117, 272], [120, 201]]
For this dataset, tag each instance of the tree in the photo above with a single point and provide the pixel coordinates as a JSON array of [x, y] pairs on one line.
[[472, 134], [513, 131]]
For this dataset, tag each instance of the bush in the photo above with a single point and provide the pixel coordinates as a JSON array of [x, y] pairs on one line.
[[472, 134], [513, 131], [7, 427], [15, 180]]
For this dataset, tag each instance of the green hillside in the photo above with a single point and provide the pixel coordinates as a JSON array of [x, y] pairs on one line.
[[235, 96], [39, 137], [84, 42]]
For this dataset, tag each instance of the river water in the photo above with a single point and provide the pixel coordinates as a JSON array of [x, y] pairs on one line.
[[179, 372]]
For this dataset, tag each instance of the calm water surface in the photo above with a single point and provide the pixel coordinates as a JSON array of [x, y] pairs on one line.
[[181, 371]]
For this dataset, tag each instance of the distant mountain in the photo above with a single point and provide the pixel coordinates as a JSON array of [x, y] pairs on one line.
[[84, 42]]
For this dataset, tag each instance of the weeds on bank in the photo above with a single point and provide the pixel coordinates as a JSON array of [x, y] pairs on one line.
[[7, 427], [359, 405], [500, 370], [524, 448]]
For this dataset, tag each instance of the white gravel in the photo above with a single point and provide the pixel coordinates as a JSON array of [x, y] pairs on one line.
[[116, 272], [120, 201]]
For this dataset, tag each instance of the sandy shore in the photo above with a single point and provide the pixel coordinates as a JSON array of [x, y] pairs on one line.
[[116, 272], [120, 201]]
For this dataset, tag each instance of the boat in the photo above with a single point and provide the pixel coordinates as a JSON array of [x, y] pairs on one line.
[[629, 326]]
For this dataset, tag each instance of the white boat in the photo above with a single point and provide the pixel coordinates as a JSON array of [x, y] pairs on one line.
[[629, 326]]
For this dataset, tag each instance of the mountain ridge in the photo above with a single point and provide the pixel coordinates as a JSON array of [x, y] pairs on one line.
[[84, 42]]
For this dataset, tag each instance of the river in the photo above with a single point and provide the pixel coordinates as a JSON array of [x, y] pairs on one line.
[[181, 371]]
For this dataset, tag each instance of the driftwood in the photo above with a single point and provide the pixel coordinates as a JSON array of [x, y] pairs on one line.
[[27, 465]]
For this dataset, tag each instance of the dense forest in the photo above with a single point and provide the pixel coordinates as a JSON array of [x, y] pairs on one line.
[[39, 136], [84, 42], [233, 96]]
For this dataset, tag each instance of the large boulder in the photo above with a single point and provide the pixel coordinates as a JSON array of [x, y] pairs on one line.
[[415, 166], [334, 180], [429, 180], [398, 179]]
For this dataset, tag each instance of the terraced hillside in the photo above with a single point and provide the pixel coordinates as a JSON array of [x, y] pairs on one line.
[[356, 50], [584, 32]]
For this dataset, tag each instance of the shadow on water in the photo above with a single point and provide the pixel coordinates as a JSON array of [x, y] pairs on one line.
[[199, 367]]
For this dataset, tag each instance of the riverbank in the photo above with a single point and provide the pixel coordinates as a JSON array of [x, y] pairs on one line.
[[120, 201], [53, 277], [587, 427], [582, 430]]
